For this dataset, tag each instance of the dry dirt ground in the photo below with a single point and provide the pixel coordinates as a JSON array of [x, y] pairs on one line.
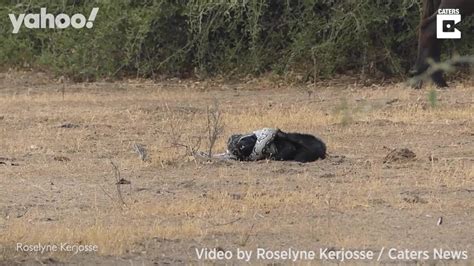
[[58, 141]]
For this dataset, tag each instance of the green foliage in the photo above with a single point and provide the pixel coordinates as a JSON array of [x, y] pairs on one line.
[[433, 98], [160, 37]]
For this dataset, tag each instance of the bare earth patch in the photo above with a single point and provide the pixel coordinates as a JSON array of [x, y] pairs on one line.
[[58, 185]]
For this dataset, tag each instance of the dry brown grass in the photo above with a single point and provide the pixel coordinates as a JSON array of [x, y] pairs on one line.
[[176, 204]]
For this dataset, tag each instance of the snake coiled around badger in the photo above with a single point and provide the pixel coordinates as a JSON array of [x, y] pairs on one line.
[[274, 144]]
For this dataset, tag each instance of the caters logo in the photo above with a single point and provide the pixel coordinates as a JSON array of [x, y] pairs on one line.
[[446, 21]]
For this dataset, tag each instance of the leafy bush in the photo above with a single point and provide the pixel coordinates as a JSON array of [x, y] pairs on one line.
[[235, 37]]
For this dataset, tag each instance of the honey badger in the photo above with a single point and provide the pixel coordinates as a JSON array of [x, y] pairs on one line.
[[274, 144]]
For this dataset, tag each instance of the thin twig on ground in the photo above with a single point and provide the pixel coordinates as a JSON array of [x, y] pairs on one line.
[[140, 150], [214, 125], [118, 183]]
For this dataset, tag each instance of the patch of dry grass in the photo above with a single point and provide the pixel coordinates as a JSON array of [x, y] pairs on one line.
[[352, 201]]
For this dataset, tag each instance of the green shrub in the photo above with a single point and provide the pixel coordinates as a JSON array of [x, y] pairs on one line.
[[147, 38]]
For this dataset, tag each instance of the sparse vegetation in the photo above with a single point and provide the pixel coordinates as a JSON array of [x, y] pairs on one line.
[[214, 125], [343, 110], [175, 204], [433, 98]]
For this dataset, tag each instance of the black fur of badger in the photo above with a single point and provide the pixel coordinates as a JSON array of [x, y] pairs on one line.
[[275, 144]]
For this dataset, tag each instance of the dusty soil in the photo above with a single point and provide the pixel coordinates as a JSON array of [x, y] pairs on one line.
[[399, 174]]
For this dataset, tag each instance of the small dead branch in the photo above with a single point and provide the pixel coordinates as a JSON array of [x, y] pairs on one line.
[[214, 125], [140, 150], [246, 238], [24, 213], [119, 181], [227, 223], [177, 126], [191, 148], [107, 193]]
